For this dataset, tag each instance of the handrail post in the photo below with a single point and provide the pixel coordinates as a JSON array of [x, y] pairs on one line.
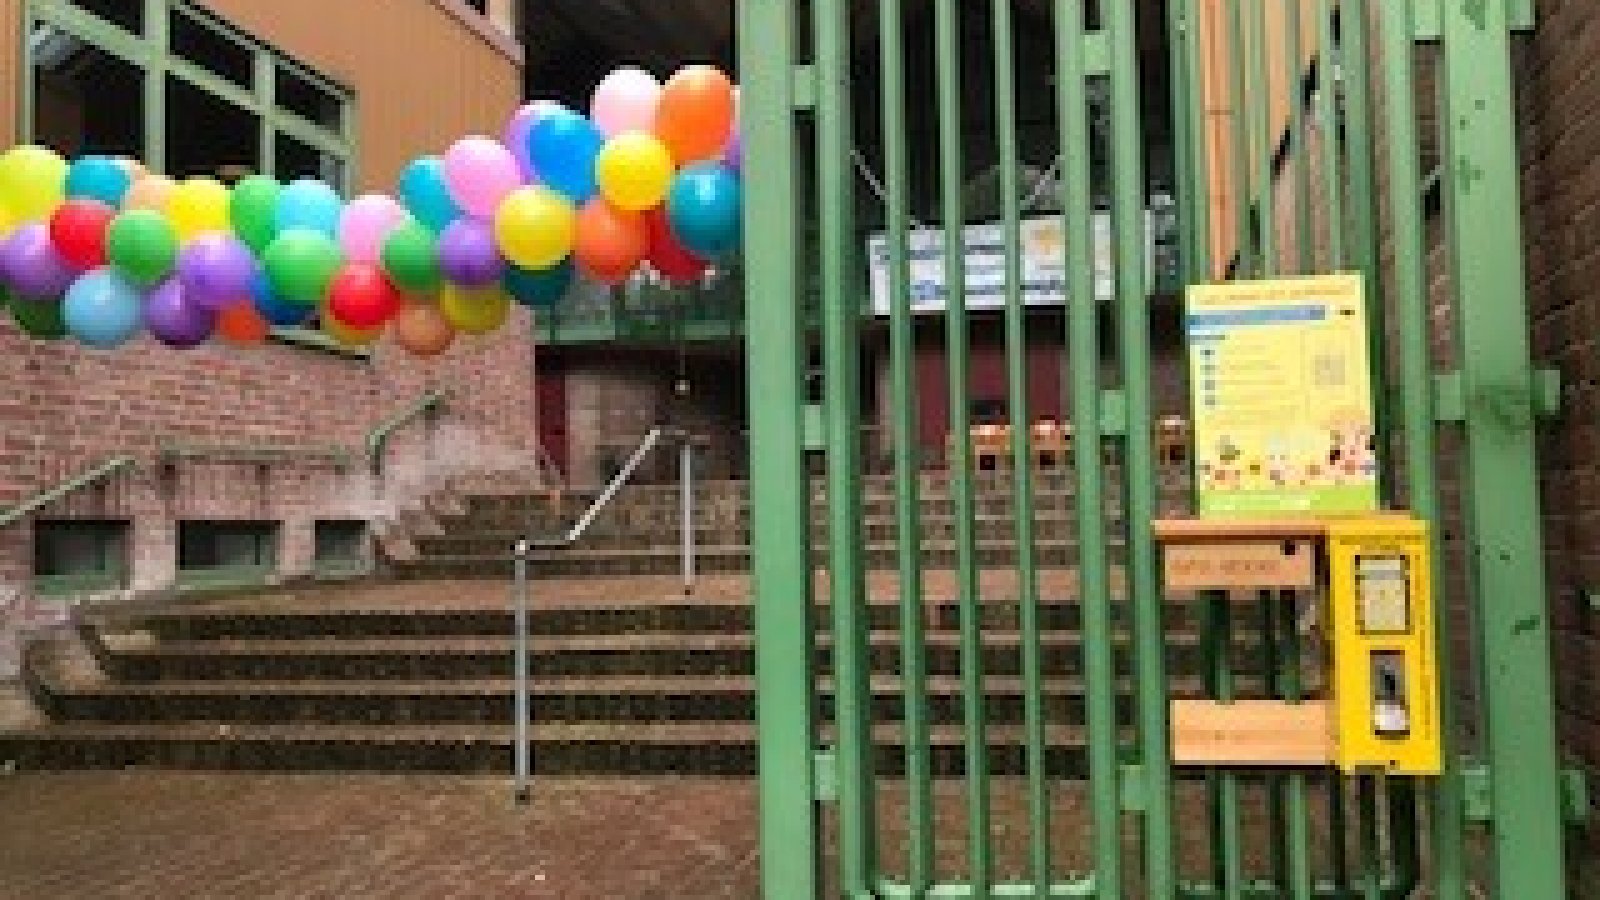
[[520, 751], [686, 491]]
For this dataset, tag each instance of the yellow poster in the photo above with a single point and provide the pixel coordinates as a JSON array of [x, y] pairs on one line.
[[1282, 397]]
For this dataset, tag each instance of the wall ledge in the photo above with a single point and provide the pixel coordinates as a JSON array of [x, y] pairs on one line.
[[487, 31]]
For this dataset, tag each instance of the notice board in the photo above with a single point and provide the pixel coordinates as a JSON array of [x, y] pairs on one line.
[[1281, 391]]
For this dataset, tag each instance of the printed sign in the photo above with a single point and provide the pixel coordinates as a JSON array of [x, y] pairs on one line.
[[1282, 398]]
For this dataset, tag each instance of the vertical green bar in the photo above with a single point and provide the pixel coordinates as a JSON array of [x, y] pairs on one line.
[[907, 463], [947, 44], [1021, 419], [158, 28], [1083, 353], [1183, 145], [1328, 122], [841, 386], [1416, 409], [1501, 485], [1139, 475], [1199, 197], [1263, 194], [1300, 144], [1300, 882], [1230, 873], [1245, 253], [779, 493]]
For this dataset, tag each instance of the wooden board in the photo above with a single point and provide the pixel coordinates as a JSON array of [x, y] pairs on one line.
[[1251, 733], [1234, 565], [1227, 530]]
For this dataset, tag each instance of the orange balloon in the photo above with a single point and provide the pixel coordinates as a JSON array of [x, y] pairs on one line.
[[242, 324], [423, 330], [150, 192], [695, 116], [610, 243]]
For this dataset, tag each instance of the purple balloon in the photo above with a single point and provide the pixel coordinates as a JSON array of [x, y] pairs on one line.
[[468, 255], [30, 264], [216, 271], [174, 318], [734, 155], [518, 130]]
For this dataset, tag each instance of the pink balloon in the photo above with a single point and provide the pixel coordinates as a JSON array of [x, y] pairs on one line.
[[366, 224], [480, 173], [520, 127], [625, 100]]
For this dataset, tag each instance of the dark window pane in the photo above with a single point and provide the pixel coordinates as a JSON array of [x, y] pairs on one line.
[[308, 100], [193, 41], [125, 14], [207, 135], [85, 99], [482, 6], [297, 159], [79, 547], [215, 545]]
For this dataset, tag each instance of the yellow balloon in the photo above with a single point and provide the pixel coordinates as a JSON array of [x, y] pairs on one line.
[[344, 335], [474, 311], [634, 171], [198, 206], [33, 181], [150, 192], [534, 227], [8, 220]]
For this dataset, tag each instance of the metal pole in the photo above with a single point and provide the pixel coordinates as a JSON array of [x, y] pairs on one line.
[[520, 753], [686, 477]]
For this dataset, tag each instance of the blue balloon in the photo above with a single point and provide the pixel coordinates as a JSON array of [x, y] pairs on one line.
[[703, 207], [538, 288], [276, 310], [564, 146], [423, 191], [102, 309], [309, 205], [98, 178]]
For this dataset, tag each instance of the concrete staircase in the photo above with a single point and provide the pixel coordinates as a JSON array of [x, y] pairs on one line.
[[630, 675]]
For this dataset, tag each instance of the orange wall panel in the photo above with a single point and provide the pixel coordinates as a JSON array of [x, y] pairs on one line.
[[10, 69]]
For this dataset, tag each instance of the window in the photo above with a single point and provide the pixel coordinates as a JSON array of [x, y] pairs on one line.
[[481, 6], [205, 546], [218, 113], [340, 545], [75, 555]]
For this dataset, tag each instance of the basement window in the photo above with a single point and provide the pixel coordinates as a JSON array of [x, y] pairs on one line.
[[341, 545], [80, 555], [221, 550]]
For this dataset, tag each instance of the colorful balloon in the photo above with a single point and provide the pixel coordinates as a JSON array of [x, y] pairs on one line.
[[474, 311], [424, 193], [366, 224], [276, 310], [33, 268], [480, 173], [539, 288], [308, 205], [411, 258], [625, 100], [518, 130], [423, 330], [8, 221], [174, 318], [563, 146], [468, 255], [534, 227], [362, 297], [253, 210], [98, 178], [667, 255], [610, 243], [33, 181], [78, 229], [344, 335], [634, 171], [102, 309], [696, 114], [150, 192], [242, 323], [704, 208], [142, 245], [734, 155], [300, 264], [216, 271], [198, 206]]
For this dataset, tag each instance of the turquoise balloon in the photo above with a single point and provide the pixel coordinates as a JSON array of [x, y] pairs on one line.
[[98, 178], [704, 208], [538, 288], [102, 309], [564, 147], [424, 193], [309, 205]]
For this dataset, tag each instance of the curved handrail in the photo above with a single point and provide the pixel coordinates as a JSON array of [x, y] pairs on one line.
[[71, 486], [430, 401]]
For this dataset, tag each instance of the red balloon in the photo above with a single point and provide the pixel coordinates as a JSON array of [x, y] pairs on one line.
[[609, 243], [362, 297], [78, 229], [667, 254]]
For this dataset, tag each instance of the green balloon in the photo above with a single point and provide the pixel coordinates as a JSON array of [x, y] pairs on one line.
[[252, 209], [40, 321], [300, 264], [410, 256], [142, 245]]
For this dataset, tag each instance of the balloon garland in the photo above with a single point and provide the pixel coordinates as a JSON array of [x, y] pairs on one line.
[[99, 249]]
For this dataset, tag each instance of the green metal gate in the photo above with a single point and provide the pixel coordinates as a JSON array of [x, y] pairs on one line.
[[873, 790]]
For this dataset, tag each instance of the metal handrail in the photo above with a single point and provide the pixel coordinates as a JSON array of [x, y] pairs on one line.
[[431, 401], [50, 495], [522, 761]]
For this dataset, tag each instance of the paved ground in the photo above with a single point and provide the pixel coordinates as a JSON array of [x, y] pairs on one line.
[[246, 835]]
